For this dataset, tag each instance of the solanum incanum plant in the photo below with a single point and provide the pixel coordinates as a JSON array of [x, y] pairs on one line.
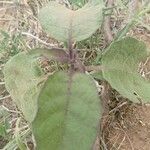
[[64, 107]]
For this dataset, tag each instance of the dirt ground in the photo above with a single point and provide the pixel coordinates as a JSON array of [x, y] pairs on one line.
[[128, 128]]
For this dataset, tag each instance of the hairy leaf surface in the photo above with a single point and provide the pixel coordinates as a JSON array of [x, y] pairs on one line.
[[121, 63], [78, 3], [63, 23], [22, 80], [23, 77], [67, 120], [52, 54]]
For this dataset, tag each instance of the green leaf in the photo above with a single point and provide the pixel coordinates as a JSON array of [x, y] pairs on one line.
[[2, 130], [67, 121], [22, 78], [62, 23], [120, 65], [78, 3]]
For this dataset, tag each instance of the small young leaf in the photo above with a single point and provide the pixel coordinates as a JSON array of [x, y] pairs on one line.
[[52, 54], [67, 121], [77, 3], [120, 64], [62, 23]]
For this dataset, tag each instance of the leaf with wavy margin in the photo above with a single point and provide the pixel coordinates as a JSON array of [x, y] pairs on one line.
[[67, 121], [120, 65], [64, 24]]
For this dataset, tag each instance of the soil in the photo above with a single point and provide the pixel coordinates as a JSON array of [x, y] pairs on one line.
[[128, 128]]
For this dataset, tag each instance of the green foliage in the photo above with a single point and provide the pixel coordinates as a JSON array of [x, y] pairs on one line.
[[56, 54], [9, 45], [4, 123], [64, 24], [22, 78], [91, 43], [67, 119], [78, 3], [120, 64], [2, 130]]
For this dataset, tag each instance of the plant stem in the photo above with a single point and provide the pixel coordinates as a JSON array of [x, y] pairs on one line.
[[71, 53], [107, 27]]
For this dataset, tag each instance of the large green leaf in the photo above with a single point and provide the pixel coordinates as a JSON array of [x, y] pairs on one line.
[[63, 23], [67, 121], [22, 78], [120, 65]]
